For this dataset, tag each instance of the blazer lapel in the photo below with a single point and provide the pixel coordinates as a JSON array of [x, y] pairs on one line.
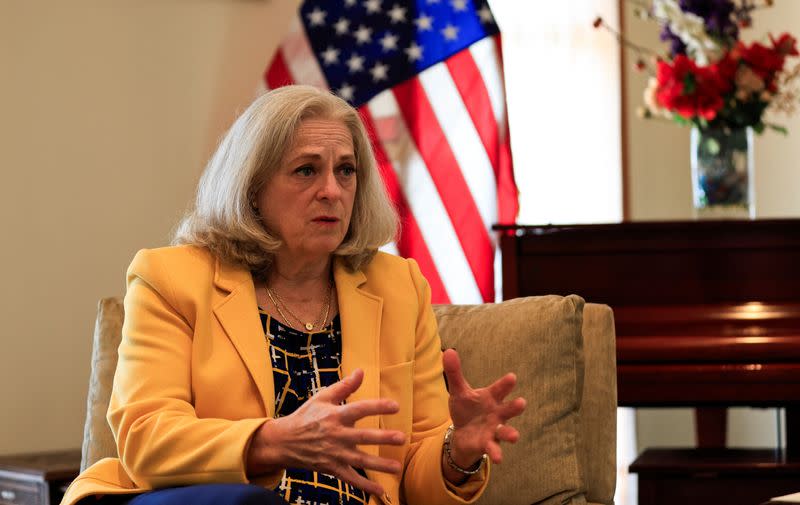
[[238, 315], [360, 315]]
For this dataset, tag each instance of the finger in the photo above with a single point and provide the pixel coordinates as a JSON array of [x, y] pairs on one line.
[[339, 391], [360, 459], [511, 409], [494, 451], [452, 370], [503, 386], [506, 433], [357, 436], [352, 412], [349, 475]]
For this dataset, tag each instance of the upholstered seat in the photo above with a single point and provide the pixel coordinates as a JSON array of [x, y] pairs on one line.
[[561, 349]]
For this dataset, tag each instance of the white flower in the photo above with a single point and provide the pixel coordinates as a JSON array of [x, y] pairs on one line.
[[650, 101], [690, 28]]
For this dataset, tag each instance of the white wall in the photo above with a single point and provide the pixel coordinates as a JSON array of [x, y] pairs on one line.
[[109, 111]]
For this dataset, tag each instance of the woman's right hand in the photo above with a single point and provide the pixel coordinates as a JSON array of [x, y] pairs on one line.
[[320, 435]]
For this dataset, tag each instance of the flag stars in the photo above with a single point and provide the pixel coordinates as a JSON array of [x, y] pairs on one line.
[[317, 17], [379, 72], [341, 26], [355, 63], [363, 35], [459, 5], [424, 23], [372, 6], [347, 92], [485, 14], [330, 55], [397, 14], [389, 42], [349, 3], [450, 32], [414, 52]]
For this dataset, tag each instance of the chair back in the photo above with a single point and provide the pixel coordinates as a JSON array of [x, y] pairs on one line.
[[98, 441]]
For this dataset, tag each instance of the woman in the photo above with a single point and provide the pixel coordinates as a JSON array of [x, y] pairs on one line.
[[275, 346]]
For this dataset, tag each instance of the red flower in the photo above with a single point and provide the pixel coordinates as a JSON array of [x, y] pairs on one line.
[[765, 61], [692, 91], [727, 66], [786, 45]]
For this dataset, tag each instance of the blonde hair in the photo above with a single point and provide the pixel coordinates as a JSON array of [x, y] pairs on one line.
[[224, 218]]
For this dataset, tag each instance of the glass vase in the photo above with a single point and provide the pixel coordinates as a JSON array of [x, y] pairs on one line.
[[722, 173]]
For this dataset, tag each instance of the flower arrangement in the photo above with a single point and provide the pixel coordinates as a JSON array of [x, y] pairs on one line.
[[709, 78]]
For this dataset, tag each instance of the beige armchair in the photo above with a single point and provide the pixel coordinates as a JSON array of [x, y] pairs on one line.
[[563, 353]]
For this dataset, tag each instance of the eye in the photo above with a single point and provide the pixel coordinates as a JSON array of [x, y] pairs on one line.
[[305, 171], [347, 170]]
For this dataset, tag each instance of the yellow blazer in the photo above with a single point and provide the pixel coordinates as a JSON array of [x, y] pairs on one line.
[[194, 381]]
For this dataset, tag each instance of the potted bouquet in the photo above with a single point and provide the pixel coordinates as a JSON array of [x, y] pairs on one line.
[[719, 85]]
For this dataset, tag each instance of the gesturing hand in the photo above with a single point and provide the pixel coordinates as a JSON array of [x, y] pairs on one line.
[[479, 415], [320, 435]]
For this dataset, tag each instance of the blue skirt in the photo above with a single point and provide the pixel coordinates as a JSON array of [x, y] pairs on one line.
[[201, 494]]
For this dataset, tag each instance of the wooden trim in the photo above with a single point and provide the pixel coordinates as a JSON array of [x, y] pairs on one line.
[[508, 248], [711, 427], [793, 433], [623, 90], [709, 384]]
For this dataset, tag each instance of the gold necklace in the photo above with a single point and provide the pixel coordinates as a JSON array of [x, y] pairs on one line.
[[321, 319]]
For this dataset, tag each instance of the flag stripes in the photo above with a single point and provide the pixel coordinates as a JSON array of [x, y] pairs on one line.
[[448, 180], [411, 239], [467, 78], [437, 229]]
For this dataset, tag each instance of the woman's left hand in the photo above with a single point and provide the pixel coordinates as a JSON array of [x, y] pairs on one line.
[[479, 415]]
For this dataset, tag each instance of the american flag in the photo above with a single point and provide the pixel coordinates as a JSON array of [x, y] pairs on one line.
[[426, 77]]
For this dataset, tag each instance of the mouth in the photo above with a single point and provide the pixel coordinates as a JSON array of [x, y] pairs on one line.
[[326, 219]]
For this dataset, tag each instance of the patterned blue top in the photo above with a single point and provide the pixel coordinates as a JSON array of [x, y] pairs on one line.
[[302, 363]]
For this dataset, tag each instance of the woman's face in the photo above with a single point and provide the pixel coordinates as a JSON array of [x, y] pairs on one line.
[[309, 200]]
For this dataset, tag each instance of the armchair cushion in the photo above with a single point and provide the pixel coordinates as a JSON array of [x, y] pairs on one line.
[[539, 339], [597, 441]]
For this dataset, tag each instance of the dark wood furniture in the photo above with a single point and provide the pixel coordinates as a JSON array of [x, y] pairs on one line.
[[37, 479], [703, 476], [707, 314]]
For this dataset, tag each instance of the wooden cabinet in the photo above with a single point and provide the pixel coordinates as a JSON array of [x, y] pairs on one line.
[[37, 479]]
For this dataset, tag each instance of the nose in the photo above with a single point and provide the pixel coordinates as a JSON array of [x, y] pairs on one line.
[[329, 186]]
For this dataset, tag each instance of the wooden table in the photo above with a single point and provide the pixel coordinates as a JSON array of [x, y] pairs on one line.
[[37, 478]]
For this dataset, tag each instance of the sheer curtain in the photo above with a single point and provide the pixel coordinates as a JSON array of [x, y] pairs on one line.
[[563, 91]]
